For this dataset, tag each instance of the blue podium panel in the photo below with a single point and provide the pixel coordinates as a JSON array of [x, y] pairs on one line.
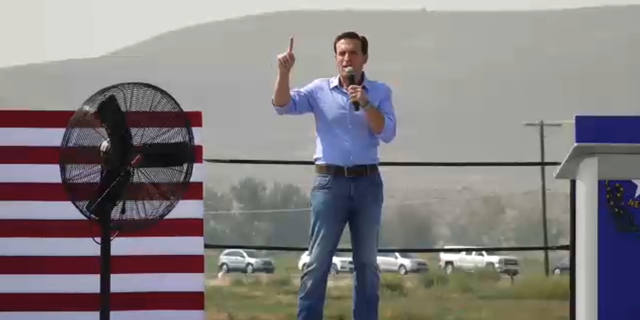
[[618, 219], [607, 129], [618, 250]]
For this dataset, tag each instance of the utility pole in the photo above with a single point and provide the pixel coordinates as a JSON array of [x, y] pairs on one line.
[[541, 124]]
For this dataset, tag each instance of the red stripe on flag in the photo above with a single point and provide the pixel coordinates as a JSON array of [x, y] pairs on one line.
[[51, 155], [59, 119], [59, 302], [86, 229], [91, 265], [85, 191]]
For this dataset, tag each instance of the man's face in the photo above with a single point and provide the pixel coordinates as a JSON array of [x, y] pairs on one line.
[[349, 54]]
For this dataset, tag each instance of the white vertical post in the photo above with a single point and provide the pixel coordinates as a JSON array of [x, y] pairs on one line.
[[586, 264]]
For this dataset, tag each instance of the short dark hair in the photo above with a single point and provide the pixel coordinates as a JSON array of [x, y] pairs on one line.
[[364, 43]]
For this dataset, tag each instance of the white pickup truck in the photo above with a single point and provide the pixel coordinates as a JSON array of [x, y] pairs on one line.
[[469, 258]]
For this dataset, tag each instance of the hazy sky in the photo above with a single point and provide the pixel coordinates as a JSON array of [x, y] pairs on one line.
[[45, 30]]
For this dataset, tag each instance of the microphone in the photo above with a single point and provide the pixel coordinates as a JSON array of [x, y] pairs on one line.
[[351, 78]]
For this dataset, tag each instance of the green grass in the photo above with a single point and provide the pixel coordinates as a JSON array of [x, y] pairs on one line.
[[483, 295]]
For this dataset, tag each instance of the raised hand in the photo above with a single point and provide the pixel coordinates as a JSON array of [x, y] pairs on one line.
[[286, 60]]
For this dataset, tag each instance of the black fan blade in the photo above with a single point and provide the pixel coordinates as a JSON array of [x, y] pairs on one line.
[[116, 174], [166, 154], [115, 123], [110, 190]]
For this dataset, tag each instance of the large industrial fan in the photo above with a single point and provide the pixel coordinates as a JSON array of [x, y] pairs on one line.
[[126, 160]]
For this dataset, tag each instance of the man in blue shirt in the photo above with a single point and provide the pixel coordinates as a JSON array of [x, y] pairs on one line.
[[348, 188]]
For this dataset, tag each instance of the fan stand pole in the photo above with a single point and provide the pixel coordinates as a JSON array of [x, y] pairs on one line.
[[105, 269]]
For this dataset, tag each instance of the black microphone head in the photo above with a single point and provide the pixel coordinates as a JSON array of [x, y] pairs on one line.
[[351, 78], [351, 74]]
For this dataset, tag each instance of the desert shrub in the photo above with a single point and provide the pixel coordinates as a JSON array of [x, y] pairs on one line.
[[462, 282], [487, 275], [434, 279], [246, 280], [393, 284], [280, 281], [337, 316], [411, 315], [533, 288], [238, 281], [342, 292]]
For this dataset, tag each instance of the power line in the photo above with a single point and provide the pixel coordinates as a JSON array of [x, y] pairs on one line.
[[395, 163], [256, 211]]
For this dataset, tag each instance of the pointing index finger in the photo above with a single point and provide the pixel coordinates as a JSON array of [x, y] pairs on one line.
[[290, 45]]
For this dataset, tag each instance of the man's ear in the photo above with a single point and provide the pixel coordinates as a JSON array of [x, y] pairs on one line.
[[366, 58]]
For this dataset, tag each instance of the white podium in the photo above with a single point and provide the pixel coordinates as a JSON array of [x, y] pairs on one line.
[[605, 162]]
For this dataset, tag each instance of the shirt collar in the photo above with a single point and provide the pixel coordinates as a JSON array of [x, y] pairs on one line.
[[335, 82]]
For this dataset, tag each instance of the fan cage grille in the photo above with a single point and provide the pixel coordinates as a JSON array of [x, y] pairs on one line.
[[153, 192]]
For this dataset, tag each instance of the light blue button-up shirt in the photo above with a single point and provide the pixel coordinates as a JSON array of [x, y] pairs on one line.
[[343, 136]]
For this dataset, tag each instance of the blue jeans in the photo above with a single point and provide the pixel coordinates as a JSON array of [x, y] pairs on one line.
[[336, 201]]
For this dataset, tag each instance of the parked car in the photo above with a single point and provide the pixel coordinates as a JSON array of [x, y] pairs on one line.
[[402, 263], [563, 266], [245, 261], [471, 258], [341, 262]]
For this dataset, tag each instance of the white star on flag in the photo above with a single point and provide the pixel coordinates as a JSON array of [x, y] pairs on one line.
[[637, 183]]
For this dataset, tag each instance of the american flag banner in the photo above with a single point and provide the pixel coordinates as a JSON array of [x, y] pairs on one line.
[[50, 253]]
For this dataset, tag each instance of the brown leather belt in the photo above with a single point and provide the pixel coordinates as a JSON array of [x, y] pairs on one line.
[[354, 171]]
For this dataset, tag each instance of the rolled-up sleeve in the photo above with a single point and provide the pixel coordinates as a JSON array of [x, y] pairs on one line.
[[301, 102], [387, 109]]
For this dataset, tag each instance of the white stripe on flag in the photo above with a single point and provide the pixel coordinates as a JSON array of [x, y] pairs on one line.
[[64, 210], [87, 247], [52, 137], [50, 173], [148, 282]]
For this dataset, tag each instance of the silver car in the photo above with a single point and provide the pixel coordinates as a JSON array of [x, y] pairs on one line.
[[341, 262], [245, 261], [401, 262]]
